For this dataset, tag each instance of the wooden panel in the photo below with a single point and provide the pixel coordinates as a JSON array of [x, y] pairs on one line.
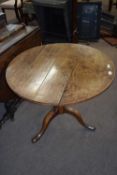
[[32, 39]]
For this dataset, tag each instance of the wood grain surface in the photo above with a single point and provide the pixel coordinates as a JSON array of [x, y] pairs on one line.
[[60, 74], [12, 46]]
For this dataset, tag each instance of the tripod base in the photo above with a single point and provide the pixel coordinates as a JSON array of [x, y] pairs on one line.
[[53, 113]]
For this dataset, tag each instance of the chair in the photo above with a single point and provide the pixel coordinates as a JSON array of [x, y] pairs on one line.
[[28, 11], [15, 5], [48, 11], [111, 3]]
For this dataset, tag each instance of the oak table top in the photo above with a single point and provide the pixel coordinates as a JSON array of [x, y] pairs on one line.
[[60, 74]]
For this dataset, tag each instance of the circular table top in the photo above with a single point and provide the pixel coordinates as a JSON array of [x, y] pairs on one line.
[[60, 74]]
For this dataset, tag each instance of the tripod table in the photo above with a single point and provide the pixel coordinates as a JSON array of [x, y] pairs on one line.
[[60, 75]]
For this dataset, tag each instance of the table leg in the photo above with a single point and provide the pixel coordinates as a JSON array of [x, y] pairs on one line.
[[78, 116], [110, 5], [53, 113], [49, 116]]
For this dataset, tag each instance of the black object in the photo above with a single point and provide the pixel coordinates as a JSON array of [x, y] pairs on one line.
[[115, 30], [54, 18], [107, 21], [88, 18], [11, 107], [111, 3], [2, 20]]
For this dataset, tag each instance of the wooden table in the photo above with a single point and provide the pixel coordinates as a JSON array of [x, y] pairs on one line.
[[10, 47], [60, 74]]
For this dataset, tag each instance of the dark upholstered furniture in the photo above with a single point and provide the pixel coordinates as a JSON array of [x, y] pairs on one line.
[[54, 17]]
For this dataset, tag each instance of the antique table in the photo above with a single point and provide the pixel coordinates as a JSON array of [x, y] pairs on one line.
[[60, 74]]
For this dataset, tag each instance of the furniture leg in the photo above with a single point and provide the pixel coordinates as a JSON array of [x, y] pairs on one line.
[[3, 10], [17, 15], [21, 14], [79, 118], [52, 114], [116, 3], [110, 5], [26, 19], [67, 24]]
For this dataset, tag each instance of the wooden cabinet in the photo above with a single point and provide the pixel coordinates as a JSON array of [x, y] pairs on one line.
[[24, 39]]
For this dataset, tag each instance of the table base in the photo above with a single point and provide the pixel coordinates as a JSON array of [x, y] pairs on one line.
[[56, 110]]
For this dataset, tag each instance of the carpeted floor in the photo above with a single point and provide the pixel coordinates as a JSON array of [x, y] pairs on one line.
[[66, 148]]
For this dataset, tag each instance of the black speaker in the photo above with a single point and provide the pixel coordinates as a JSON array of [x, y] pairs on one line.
[[88, 20]]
